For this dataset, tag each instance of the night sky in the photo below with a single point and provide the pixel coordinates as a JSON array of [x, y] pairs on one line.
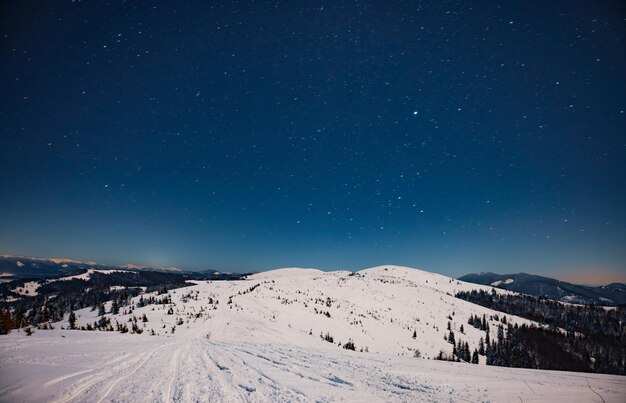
[[451, 136]]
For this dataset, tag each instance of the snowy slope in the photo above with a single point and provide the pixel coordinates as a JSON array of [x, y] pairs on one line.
[[377, 308], [92, 367], [259, 340], [29, 289]]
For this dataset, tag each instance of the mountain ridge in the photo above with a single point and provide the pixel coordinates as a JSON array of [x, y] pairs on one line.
[[541, 286], [14, 267]]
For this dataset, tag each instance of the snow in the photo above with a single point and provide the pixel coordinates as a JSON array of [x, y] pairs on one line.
[[53, 260], [265, 346], [28, 289], [85, 276], [133, 266], [171, 268], [127, 368], [19, 264], [138, 267], [64, 260], [498, 282], [607, 300]]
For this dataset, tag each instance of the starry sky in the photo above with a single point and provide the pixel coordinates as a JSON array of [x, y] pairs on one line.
[[451, 136]]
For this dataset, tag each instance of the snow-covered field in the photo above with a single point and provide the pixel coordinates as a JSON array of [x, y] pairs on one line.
[[259, 340], [29, 289], [92, 367]]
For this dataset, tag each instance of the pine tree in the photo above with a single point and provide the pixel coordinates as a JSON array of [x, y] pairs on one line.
[[104, 323], [349, 345], [475, 357], [6, 321], [101, 310], [72, 320], [19, 319], [490, 353], [501, 356], [115, 307], [415, 334]]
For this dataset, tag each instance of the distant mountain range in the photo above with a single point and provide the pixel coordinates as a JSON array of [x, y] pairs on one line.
[[611, 294], [21, 267]]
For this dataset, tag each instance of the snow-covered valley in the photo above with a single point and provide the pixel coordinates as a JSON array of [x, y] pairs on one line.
[[267, 338]]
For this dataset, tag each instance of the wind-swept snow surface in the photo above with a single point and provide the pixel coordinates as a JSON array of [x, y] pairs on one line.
[[259, 340], [92, 367]]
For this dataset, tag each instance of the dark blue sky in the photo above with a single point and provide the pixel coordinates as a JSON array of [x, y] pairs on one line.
[[450, 136]]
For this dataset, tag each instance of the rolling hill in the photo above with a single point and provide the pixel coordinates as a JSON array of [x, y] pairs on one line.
[[283, 335]]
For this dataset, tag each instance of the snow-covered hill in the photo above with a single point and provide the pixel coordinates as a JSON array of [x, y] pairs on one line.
[[379, 309], [262, 339]]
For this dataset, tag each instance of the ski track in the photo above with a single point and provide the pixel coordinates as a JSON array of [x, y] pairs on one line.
[[103, 382], [198, 370]]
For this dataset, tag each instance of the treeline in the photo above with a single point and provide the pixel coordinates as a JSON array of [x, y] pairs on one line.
[[56, 299], [575, 338], [573, 318], [34, 311], [531, 347]]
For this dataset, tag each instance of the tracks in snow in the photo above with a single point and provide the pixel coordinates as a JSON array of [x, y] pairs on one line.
[[191, 371], [196, 370], [188, 369]]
